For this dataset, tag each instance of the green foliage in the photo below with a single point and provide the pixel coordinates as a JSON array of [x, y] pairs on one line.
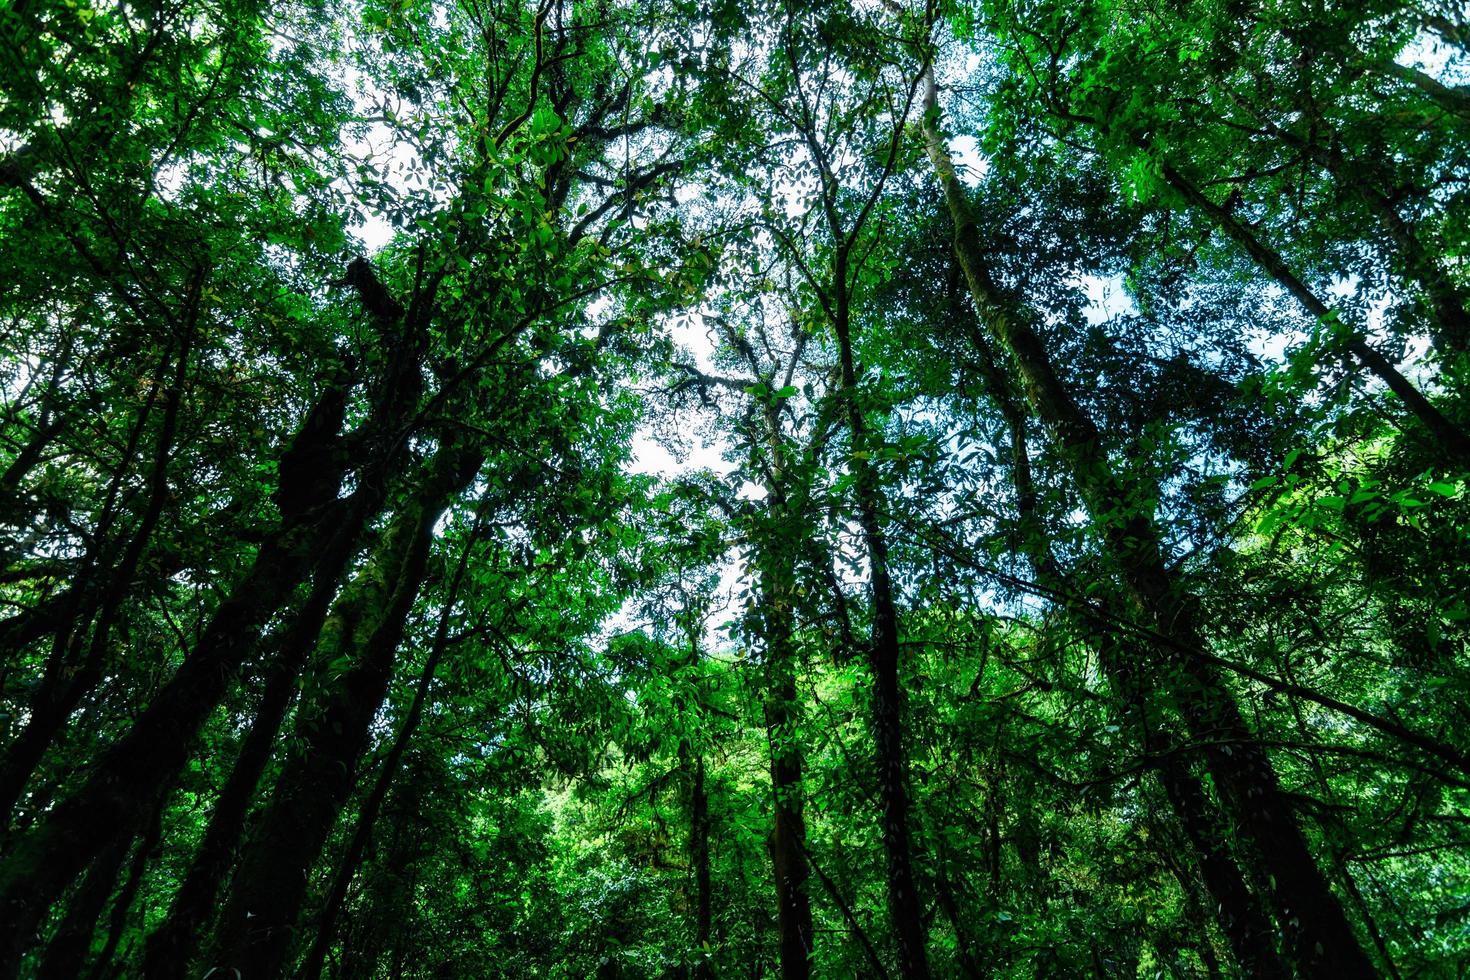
[[338, 342]]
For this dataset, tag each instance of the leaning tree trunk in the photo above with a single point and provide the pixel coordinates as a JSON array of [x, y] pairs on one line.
[[257, 924], [128, 780], [1449, 304], [1240, 915], [114, 801], [1452, 440], [64, 685], [122, 905], [367, 817], [1318, 934], [175, 943]]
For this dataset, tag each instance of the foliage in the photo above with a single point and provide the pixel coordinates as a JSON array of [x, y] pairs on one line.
[[1060, 569]]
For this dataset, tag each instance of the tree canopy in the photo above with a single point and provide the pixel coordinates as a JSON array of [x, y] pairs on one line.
[[696, 488]]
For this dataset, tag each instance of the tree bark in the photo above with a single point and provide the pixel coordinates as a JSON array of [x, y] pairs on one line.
[[904, 904], [123, 903], [70, 945], [794, 930], [174, 944], [127, 781], [699, 830], [1318, 935], [1240, 915], [257, 924], [130, 777], [388, 771]]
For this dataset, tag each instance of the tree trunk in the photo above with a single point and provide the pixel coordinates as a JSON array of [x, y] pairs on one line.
[[1449, 305], [1453, 100], [257, 925], [904, 904], [970, 963], [699, 829], [70, 945], [175, 943], [123, 903], [794, 929], [795, 933], [128, 780], [1237, 910], [388, 771], [1246, 927], [65, 685], [1318, 933], [1452, 440]]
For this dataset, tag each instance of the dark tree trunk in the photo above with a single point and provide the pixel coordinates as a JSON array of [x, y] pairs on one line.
[[1249, 932], [65, 685], [1453, 440], [788, 836], [130, 777], [70, 945], [904, 903], [1239, 913], [794, 929], [387, 773], [174, 944], [795, 934], [258, 922], [1454, 100], [969, 962], [386, 913], [123, 903], [699, 829], [1318, 935]]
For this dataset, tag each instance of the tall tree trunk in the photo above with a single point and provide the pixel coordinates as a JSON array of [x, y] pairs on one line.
[[1449, 305], [70, 945], [776, 548], [970, 963], [174, 944], [367, 818], [794, 930], [1454, 100], [904, 904], [123, 903], [1451, 438], [1240, 915], [699, 829], [63, 686], [1318, 934], [1241, 918], [257, 924], [387, 903], [128, 780]]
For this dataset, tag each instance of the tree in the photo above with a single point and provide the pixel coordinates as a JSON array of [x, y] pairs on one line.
[[708, 489]]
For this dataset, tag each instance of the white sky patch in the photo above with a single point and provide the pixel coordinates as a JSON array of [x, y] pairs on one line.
[[1445, 63], [376, 232], [970, 164], [1106, 298]]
